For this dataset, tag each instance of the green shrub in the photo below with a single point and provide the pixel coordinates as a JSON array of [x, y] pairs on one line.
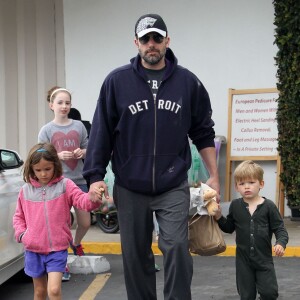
[[287, 39]]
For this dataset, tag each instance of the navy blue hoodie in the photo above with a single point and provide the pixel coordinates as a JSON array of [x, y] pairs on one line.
[[147, 140]]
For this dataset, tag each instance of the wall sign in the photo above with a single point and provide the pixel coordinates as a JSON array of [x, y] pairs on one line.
[[252, 132], [254, 127]]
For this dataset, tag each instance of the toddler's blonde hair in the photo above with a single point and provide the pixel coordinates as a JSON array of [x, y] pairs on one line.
[[248, 169]]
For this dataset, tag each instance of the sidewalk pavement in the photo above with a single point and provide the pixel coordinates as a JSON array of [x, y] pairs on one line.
[[97, 242]]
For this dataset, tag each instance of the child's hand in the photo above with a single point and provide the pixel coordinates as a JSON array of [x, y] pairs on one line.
[[278, 250], [218, 213], [99, 193], [65, 155], [78, 153]]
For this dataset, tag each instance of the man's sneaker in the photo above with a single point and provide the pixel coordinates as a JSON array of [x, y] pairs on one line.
[[78, 250], [66, 276]]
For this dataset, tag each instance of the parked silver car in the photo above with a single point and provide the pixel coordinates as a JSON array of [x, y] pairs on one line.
[[11, 253]]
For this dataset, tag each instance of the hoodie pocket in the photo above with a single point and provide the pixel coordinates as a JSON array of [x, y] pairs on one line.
[[136, 173], [171, 171]]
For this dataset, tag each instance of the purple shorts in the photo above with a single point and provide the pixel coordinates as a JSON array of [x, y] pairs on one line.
[[37, 264]]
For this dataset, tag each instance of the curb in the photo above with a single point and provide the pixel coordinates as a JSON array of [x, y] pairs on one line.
[[88, 264], [115, 248]]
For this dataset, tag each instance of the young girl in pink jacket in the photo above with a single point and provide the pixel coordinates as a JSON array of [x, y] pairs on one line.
[[42, 219]]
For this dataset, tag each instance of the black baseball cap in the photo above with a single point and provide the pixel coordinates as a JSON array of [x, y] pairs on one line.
[[150, 23]]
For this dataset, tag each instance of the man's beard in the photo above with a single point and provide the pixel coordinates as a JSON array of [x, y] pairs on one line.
[[153, 59]]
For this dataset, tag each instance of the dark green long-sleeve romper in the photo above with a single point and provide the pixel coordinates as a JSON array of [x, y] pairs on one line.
[[254, 262]]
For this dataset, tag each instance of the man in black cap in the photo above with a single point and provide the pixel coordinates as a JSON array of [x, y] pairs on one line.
[[146, 113]]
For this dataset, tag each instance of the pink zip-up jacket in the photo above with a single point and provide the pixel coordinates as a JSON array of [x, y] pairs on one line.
[[42, 219]]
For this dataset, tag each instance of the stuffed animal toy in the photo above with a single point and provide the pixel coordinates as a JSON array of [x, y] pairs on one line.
[[209, 199]]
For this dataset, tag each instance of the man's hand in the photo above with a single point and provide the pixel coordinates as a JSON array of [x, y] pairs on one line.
[[97, 194], [209, 157], [99, 190], [214, 184]]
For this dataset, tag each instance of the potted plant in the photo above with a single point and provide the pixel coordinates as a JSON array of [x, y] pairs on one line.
[[287, 38]]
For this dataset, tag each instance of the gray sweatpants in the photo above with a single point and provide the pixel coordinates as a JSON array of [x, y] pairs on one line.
[[135, 215]]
